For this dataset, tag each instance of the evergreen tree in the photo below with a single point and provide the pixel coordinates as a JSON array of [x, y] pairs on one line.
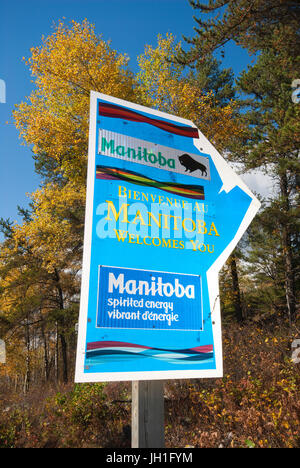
[[253, 24], [272, 144], [208, 76], [270, 119], [204, 94]]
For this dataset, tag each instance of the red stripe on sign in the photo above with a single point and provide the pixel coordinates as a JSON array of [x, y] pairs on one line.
[[114, 111], [204, 349], [112, 344]]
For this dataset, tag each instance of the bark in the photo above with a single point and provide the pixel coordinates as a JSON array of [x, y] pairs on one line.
[[237, 300], [56, 354], [63, 341], [46, 351], [27, 378], [64, 356], [287, 251]]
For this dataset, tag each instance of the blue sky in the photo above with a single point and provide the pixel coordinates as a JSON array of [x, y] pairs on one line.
[[129, 24]]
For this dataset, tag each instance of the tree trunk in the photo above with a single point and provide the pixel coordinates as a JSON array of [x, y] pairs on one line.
[[64, 356], [61, 327], [27, 378], [56, 354], [46, 351], [236, 289], [287, 251]]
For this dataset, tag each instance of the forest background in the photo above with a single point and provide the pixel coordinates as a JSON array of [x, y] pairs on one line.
[[254, 122]]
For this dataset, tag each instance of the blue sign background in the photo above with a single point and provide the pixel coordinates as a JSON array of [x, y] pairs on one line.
[[172, 301], [115, 349]]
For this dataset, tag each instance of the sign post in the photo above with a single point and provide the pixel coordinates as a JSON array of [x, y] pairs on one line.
[[163, 213], [147, 427]]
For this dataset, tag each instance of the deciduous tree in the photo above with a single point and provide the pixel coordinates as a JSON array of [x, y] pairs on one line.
[[162, 84], [54, 120]]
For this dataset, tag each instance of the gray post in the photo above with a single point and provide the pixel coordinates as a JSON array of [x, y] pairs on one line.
[[2, 352], [148, 414]]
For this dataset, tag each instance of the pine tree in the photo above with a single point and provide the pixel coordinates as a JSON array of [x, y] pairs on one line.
[[272, 144], [252, 24], [270, 119], [204, 95]]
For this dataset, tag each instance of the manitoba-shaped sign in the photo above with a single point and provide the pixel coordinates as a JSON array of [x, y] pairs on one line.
[[163, 213]]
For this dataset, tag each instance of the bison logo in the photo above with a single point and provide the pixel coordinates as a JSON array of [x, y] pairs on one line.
[[191, 165]]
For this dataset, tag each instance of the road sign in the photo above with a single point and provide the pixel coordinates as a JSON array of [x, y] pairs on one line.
[[163, 213]]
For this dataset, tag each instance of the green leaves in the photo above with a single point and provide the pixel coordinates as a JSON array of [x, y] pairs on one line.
[[255, 25]]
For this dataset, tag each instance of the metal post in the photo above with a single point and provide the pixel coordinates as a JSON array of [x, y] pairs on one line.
[[148, 414]]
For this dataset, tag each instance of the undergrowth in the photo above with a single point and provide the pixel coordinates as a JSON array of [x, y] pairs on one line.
[[255, 404]]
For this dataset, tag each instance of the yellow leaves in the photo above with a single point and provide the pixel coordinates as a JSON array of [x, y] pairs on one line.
[[159, 80], [68, 65], [56, 224], [53, 235], [163, 85], [54, 121], [74, 60]]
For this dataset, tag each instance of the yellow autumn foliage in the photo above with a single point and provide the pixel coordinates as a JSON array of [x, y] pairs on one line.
[[163, 85], [54, 119], [73, 61], [56, 229]]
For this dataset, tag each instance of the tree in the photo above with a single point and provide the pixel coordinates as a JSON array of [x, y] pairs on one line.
[[265, 267], [270, 120], [231, 293], [41, 257], [209, 77], [54, 120], [253, 24], [162, 84], [20, 275], [39, 264], [272, 144]]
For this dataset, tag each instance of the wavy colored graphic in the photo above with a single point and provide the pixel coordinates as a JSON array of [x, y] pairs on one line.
[[112, 173], [99, 351], [115, 111]]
